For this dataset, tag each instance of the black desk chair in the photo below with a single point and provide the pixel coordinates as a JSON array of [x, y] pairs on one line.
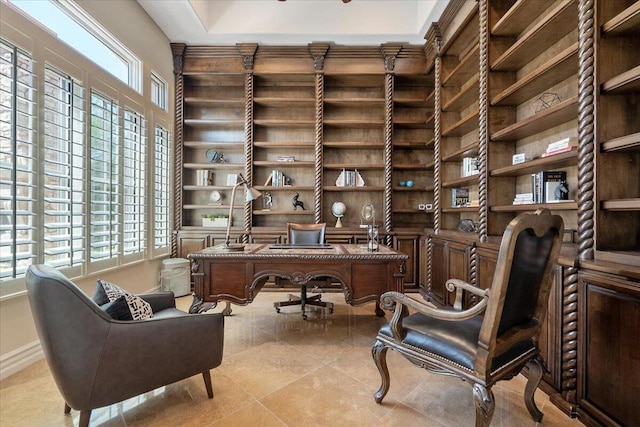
[[483, 350], [305, 234]]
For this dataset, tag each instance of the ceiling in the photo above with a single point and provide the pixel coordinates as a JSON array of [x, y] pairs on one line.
[[294, 22]]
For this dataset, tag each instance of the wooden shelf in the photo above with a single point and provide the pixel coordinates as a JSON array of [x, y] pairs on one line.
[[229, 166], [283, 188], [570, 158], [214, 122], [289, 123], [537, 39], [473, 209], [354, 123], [406, 145], [284, 144], [206, 187], [469, 150], [412, 102], [560, 206], [208, 102], [623, 143], [276, 164], [353, 166], [409, 189], [463, 126], [286, 213], [625, 23], [518, 17], [462, 72], [410, 167], [192, 207], [353, 144], [465, 97], [415, 124], [352, 189], [355, 102], [284, 102], [560, 113], [555, 70], [410, 211], [466, 180], [210, 144], [621, 204], [629, 81]]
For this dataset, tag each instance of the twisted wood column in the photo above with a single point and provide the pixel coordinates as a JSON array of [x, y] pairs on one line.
[[388, 152], [483, 132], [248, 146], [569, 366], [437, 108], [586, 148], [319, 137], [178, 66]]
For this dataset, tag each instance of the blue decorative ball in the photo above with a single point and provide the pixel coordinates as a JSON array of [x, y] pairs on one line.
[[409, 183], [402, 184]]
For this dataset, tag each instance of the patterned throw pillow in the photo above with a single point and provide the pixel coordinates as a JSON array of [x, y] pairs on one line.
[[139, 309]]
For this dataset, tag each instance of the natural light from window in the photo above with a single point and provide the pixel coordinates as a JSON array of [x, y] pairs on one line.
[[54, 16]]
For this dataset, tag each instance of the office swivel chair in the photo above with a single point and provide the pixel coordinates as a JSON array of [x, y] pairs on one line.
[[305, 234]]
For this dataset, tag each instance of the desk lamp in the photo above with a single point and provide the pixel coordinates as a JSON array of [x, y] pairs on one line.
[[250, 194]]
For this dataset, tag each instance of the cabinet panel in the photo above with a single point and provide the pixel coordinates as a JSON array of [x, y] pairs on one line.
[[609, 358], [439, 271], [190, 244], [409, 245]]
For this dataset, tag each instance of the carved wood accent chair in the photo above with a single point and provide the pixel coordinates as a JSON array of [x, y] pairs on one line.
[[483, 348], [305, 234]]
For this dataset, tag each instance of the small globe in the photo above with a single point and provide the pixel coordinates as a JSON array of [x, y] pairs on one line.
[[338, 209]]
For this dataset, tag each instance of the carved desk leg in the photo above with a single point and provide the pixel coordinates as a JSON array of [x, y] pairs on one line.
[[198, 305]]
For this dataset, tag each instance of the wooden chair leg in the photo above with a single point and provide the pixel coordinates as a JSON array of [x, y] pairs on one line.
[[207, 383], [67, 408], [485, 405], [535, 376], [379, 353], [85, 416]]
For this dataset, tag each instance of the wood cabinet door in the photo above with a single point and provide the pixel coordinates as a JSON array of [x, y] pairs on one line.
[[609, 348], [191, 243], [409, 245], [439, 271]]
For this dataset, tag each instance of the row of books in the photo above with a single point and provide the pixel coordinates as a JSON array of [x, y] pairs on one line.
[[277, 179], [470, 166], [349, 178], [549, 187]]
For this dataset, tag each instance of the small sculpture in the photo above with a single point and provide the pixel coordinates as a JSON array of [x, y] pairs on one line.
[[561, 191], [297, 202], [267, 200]]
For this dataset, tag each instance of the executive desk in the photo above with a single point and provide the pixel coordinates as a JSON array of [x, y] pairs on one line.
[[237, 277]]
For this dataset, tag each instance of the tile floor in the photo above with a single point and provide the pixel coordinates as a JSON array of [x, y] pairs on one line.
[[279, 370]]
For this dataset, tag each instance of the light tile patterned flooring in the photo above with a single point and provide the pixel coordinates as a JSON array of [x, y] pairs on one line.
[[279, 370]]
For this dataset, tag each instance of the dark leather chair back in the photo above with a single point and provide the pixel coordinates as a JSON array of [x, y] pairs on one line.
[[305, 234]]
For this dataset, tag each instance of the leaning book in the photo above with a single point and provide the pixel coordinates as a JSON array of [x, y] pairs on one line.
[[554, 186]]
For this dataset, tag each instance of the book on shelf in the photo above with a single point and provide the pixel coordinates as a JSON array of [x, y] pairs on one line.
[[459, 197], [523, 199], [549, 187], [555, 186], [562, 146], [278, 179], [470, 166], [286, 158], [350, 178]]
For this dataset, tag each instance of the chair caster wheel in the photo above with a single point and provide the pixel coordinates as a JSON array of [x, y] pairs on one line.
[[304, 317], [277, 310]]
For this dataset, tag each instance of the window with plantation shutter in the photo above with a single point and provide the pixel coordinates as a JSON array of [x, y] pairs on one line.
[[63, 171], [162, 224], [18, 173], [134, 183], [105, 185]]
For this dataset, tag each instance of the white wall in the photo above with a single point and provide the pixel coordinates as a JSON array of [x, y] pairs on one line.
[[128, 22]]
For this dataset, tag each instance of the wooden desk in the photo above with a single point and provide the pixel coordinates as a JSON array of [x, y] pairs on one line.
[[237, 277]]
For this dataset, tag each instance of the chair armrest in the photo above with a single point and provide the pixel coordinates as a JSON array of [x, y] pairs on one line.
[[399, 304], [460, 286], [159, 300]]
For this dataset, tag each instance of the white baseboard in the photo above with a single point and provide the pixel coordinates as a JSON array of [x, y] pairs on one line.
[[20, 358]]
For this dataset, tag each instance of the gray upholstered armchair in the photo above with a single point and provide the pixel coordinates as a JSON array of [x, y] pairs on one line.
[[97, 361]]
